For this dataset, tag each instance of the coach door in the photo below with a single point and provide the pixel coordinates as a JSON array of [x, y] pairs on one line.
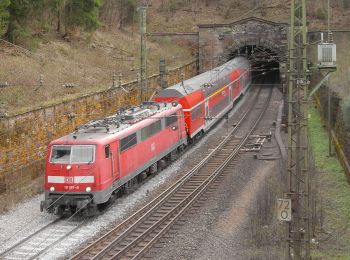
[[230, 91]]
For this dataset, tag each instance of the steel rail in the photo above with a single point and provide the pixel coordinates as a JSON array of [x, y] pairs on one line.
[[211, 178], [151, 206], [164, 195], [7, 251], [194, 195], [161, 198], [30, 251], [56, 242]]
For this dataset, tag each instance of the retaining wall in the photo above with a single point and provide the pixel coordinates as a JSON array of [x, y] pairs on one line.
[[24, 137]]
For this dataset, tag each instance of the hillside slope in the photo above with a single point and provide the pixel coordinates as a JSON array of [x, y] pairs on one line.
[[89, 60]]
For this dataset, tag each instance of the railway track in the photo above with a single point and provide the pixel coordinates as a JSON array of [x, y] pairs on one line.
[[38, 243], [132, 238]]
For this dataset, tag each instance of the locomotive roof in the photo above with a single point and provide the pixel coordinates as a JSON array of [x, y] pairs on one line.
[[125, 118], [218, 76]]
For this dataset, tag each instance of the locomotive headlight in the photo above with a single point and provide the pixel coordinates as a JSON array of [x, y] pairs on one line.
[[69, 167], [88, 189], [52, 188]]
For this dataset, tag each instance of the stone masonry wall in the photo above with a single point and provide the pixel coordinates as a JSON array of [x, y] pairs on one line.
[[217, 41], [24, 137]]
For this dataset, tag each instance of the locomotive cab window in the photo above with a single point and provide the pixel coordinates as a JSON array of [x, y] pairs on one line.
[[60, 154], [72, 154]]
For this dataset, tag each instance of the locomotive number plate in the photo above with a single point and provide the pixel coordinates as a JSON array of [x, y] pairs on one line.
[[71, 187]]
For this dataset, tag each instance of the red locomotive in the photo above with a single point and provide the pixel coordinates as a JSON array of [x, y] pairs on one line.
[[89, 166]]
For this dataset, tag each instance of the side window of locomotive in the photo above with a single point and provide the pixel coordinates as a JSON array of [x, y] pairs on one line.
[[128, 142], [171, 119], [107, 151], [151, 130]]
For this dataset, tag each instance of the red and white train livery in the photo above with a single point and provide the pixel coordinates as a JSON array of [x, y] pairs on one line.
[[85, 168], [208, 96]]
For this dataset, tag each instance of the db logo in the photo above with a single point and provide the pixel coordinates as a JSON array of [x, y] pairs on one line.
[[68, 180], [223, 93], [153, 147]]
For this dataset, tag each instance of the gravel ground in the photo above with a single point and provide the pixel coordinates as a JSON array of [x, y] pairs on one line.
[[234, 221], [26, 218]]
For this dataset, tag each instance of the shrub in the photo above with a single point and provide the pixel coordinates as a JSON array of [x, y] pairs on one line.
[[4, 15]]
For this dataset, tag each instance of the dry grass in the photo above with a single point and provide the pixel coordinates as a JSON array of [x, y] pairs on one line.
[[188, 14], [185, 15], [333, 205], [340, 80], [89, 63]]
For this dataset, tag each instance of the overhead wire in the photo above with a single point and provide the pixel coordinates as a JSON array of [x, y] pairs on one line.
[[109, 98]]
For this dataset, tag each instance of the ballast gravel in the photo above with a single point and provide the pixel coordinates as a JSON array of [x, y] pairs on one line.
[[26, 218]]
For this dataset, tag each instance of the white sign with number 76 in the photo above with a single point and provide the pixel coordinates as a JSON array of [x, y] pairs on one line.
[[284, 209]]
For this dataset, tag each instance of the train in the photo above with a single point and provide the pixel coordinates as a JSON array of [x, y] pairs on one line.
[[90, 166]]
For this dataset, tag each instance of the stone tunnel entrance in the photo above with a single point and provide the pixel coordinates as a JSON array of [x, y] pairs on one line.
[[265, 62], [263, 42]]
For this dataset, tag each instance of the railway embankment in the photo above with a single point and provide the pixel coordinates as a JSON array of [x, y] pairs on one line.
[[24, 137], [331, 194]]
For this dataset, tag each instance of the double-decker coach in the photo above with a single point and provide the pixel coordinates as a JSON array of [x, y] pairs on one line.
[[205, 98]]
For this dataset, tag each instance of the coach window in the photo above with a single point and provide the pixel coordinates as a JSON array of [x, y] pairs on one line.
[[128, 142], [107, 151]]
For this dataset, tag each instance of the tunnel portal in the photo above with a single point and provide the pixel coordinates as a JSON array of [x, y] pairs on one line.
[[263, 42]]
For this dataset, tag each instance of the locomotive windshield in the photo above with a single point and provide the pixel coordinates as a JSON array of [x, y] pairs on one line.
[[72, 154]]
